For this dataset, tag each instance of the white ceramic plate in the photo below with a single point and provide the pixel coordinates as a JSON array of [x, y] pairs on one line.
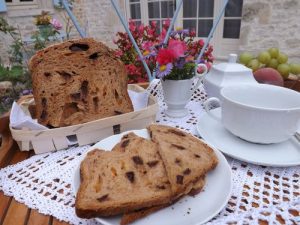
[[282, 154], [189, 210]]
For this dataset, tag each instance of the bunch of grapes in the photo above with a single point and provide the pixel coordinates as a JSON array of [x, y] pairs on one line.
[[272, 58]]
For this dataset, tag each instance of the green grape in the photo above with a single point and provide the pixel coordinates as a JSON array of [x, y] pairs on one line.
[[245, 58], [273, 52], [273, 63], [253, 64], [284, 70], [282, 58], [295, 68], [264, 57]]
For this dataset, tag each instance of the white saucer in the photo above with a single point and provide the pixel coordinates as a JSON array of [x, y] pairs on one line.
[[282, 154], [188, 210]]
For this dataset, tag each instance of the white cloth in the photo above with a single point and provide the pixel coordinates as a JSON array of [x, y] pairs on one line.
[[44, 182]]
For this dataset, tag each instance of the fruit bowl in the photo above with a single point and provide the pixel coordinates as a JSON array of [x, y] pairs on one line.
[[292, 84], [269, 65]]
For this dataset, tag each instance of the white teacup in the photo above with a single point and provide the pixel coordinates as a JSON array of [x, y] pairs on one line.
[[258, 113]]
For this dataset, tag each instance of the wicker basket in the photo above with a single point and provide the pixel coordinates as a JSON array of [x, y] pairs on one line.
[[87, 133]]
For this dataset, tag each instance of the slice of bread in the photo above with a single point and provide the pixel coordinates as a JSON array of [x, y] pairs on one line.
[[119, 182], [78, 81], [130, 217], [186, 158]]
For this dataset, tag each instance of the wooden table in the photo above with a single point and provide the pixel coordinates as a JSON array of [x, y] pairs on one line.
[[11, 211]]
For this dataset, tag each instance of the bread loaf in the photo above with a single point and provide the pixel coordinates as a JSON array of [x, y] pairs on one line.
[[78, 81]]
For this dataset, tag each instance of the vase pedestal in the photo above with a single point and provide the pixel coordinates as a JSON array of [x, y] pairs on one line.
[[176, 113], [177, 93]]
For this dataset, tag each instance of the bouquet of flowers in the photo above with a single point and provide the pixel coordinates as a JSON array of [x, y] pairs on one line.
[[176, 60]]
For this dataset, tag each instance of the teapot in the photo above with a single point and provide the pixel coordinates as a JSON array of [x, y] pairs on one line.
[[224, 74]]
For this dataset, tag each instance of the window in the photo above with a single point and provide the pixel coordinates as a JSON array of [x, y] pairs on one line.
[[232, 20], [21, 4], [198, 15], [195, 14], [160, 10], [135, 10]]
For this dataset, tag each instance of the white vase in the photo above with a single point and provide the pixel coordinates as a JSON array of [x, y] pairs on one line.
[[177, 93]]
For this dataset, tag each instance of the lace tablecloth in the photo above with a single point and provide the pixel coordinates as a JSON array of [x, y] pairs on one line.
[[260, 194]]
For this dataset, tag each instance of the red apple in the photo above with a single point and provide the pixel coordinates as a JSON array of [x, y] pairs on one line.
[[268, 76]]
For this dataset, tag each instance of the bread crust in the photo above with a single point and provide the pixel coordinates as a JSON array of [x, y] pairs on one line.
[[78, 81]]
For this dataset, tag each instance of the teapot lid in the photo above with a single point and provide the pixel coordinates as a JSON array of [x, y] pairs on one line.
[[231, 65]]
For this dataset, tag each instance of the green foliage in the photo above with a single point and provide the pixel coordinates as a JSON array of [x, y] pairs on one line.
[[21, 81], [43, 36], [187, 72], [14, 74], [17, 47]]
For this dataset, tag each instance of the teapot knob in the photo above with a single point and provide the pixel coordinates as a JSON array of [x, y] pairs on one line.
[[232, 58]]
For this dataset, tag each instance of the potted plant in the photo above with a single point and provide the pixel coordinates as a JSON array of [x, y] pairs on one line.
[[149, 40], [174, 62], [176, 67]]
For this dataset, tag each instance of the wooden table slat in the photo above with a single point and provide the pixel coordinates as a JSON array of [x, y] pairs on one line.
[[4, 203], [16, 214], [36, 218], [10, 210]]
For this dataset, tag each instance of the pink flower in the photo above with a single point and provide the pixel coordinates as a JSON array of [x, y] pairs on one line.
[[165, 56], [178, 48], [132, 26], [162, 35], [193, 33], [208, 65], [166, 23], [201, 42], [151, 32], [147, 45], [153, 23], [141, 29], [56, 24]]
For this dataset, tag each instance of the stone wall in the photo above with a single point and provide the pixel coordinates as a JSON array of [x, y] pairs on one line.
[[101, 21], [273, 23], [23, 19], [265, 24], [96, 17]]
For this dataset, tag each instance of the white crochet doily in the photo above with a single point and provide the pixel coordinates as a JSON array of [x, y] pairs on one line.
[[260, 194]]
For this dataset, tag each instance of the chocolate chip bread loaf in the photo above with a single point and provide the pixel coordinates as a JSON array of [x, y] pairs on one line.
[[78, 81]]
